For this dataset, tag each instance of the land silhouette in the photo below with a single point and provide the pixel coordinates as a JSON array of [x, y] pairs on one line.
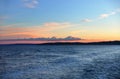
[[72, 43]]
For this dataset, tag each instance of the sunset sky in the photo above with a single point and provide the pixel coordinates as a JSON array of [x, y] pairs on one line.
[[36, 21]]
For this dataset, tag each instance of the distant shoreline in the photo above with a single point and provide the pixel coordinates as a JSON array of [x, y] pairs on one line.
[[71, 43]]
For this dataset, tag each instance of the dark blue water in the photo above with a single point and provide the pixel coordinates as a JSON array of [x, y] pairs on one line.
[[60, 62]]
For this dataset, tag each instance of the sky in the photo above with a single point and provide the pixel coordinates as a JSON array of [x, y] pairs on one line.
[[38, 21]]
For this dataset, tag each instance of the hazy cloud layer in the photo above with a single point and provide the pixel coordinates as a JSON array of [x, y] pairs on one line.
[[44, 30], [68, 38]]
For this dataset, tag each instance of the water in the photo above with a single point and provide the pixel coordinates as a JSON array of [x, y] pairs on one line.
[[60, 62]]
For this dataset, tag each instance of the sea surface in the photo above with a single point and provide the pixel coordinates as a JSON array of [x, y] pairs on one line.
[[60, 62]]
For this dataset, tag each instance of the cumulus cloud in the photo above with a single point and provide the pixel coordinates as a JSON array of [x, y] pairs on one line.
[[68, 38], [86, 20], [30, 3]]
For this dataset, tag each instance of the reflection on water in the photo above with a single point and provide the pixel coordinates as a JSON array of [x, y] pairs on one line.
[[60, 62]]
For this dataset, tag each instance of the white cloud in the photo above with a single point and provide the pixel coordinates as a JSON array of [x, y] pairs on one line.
[[86, 20], [112, 13], [103, 16], [30, 3], [118, 10]]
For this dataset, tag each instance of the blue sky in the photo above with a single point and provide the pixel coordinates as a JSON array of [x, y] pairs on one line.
[[55, 10], [85, 15]]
